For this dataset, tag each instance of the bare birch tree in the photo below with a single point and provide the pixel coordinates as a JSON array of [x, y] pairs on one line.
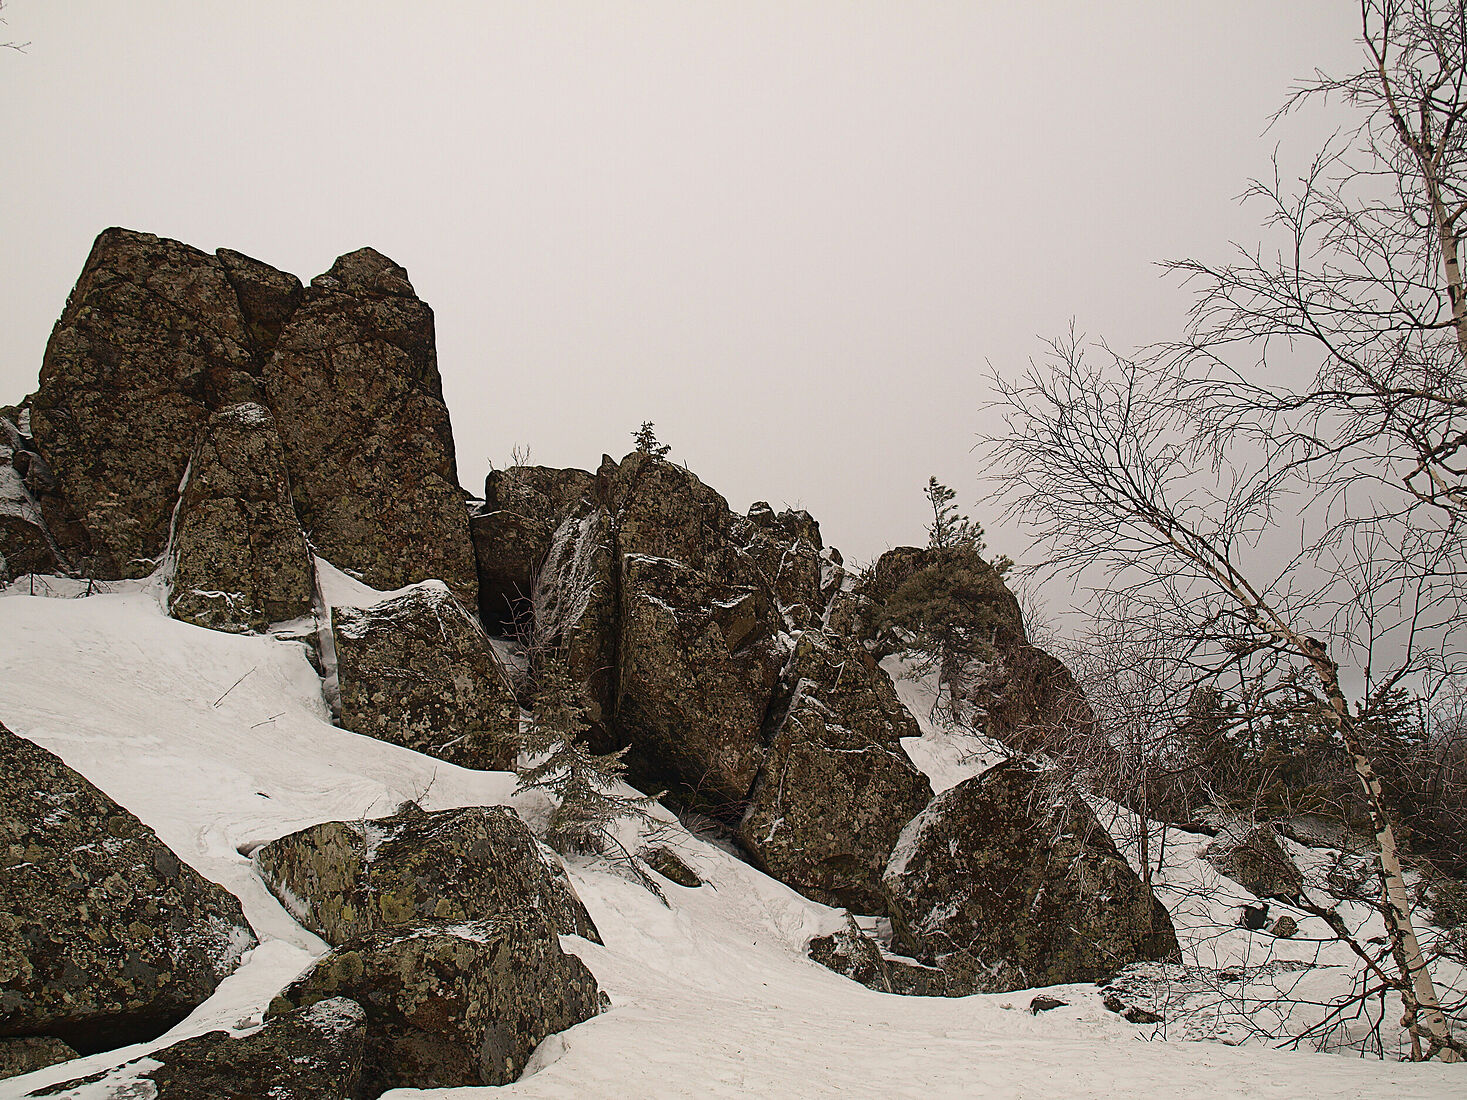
[[1175, 471]]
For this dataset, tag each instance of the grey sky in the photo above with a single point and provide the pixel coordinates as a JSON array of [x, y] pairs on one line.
[[789, 233]]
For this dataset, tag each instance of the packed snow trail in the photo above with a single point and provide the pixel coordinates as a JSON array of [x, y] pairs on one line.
[[222, 742]]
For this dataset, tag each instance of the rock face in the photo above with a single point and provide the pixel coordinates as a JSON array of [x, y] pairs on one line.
[[241, 561], [857, 956], [26, 545], [512, 532], [312, 1054], [267, 299], [786, 549], [354, 384], [836, 787], [152, 337], [105, 937], [417, 671], [575, 601], [1006, 884], [1257, 861], [19, 1056], [457, 1005], [1028, 695], [698, 667], [344, 879]]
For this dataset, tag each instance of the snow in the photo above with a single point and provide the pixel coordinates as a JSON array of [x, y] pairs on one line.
[[222, 742], [946, 753]]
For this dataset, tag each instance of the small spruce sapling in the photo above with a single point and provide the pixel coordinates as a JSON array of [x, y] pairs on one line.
[[580, 781], [647, 442]]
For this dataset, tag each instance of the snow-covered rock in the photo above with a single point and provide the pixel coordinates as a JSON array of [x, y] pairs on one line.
[[416, 670], [106, 937], [1008, 881], [342, 879], [452, 1004]]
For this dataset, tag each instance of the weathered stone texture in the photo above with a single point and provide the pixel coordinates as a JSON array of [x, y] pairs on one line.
[[452, 1005], [355, 388], [27, 1055], [151, 338], [106, 938], [240, 559], [575, 611], [314, 1053], [855, 955], [1256, 860], [836, 786], [513, 531], [698, 667], [343, 879], [267, 299], [417, 671], [1007, 881]]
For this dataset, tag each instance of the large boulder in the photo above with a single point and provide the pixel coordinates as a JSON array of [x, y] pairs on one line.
[[152, 337], [314, 1053], [836, 787], [241, 561], [343, 879], [1007, 881], [106, 938], [663, 511], [698, 666], [416, 670], [452, 1005], [512, 533], [27, 1055], [355, 388], [1254, 858]]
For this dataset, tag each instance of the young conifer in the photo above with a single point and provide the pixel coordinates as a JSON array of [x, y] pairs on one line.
[[581, 781], [647, 442]]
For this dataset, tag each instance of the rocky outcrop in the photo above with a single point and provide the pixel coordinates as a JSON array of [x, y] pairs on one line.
[[40, 507], [417, 671], [1007, 881], [836, 787], [314, 1053], [1028, 696], [855, 955], [241, 561], [785, 548], [267, 300], [452, 1005], [151, 339], [698, 667], [106, 938], [344, 879], [1254, 858], [512, 533], [663, 511], [355, 388]]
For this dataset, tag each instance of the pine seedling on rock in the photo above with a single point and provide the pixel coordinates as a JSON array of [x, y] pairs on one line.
[[581, 781], [647, 442]]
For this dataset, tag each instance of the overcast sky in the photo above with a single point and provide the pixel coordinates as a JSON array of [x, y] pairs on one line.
[[792, 234]]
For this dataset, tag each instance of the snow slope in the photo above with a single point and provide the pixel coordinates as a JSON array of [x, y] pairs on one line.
[[223, 742]]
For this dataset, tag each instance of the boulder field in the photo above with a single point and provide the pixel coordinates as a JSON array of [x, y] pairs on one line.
[[213, 422]]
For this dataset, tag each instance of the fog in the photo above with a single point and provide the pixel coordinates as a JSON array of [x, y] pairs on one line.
[[794, 236]]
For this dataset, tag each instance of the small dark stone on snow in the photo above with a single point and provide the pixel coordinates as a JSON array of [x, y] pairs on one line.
[[1043, 1003]]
